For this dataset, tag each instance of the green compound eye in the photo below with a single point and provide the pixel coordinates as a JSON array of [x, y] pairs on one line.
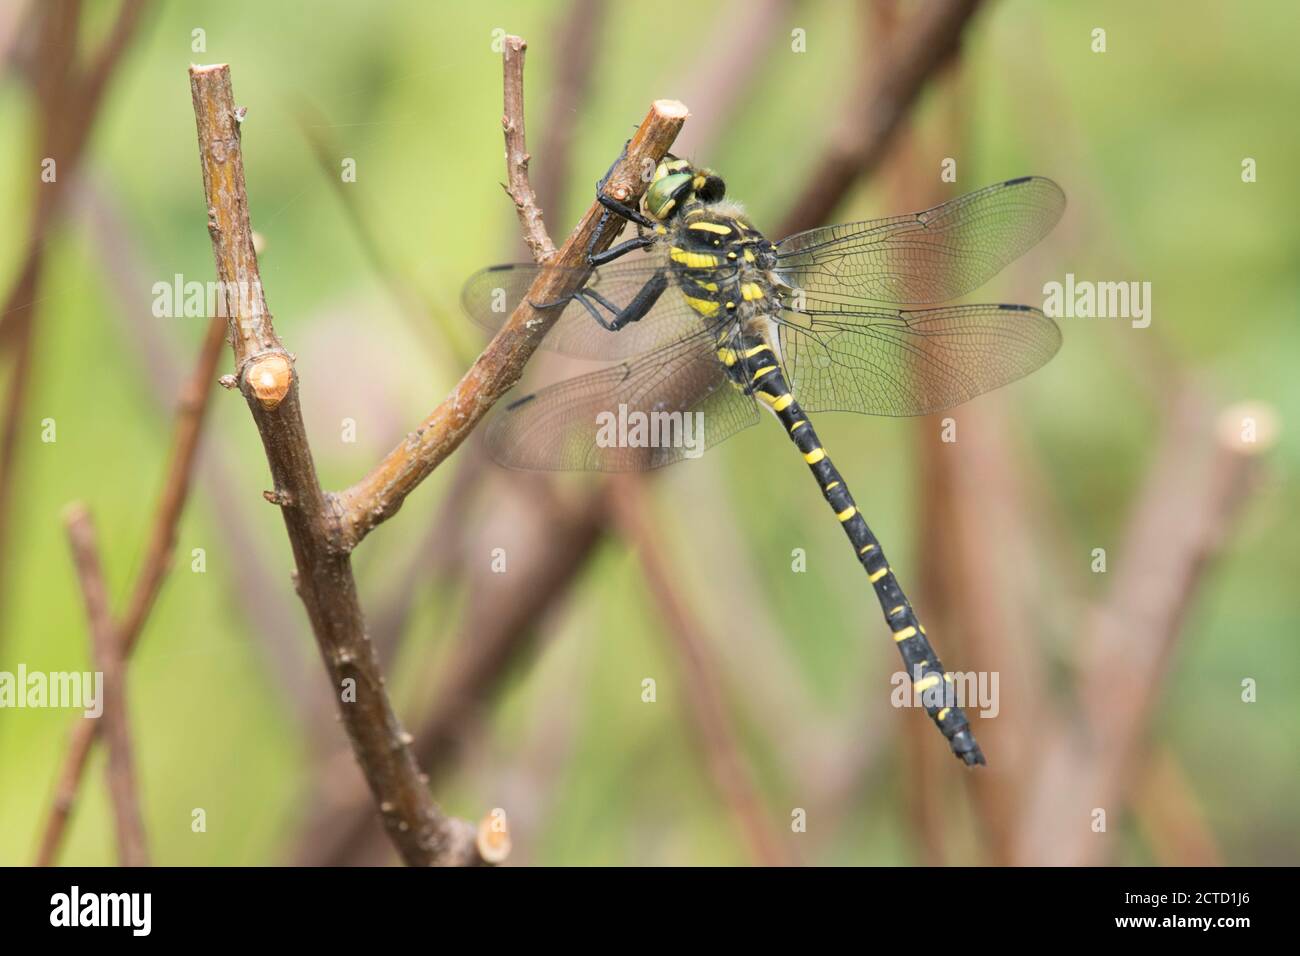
[[661, 198]]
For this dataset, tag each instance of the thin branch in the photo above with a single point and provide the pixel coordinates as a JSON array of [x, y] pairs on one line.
[[704, 696], [280, 633], [719, 83], [1169, 816], [379, 494], [1191, 496], [110, 661], [68, 101], [925, 42], [520, 189], [411, 303], [265, 374], [578, 37], [502, 617], [192, 410]]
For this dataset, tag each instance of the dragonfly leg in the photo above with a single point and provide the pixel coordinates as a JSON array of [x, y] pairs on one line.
[[622, 249], [638, 308], [641, 303]]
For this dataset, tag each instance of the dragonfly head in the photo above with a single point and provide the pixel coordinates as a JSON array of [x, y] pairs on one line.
[[676, 183]]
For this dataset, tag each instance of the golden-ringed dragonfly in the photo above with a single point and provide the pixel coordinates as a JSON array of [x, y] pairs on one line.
[[711, 322]]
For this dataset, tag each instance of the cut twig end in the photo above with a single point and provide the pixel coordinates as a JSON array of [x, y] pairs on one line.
[[269, 379], [493, 839], [671, 109], [1248, 428]]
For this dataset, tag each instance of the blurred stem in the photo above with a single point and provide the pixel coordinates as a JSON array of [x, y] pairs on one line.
[[109, 657], [68, 99], [158, 556], [714, 733]]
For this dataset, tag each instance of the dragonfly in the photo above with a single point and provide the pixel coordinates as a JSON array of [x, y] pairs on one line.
[[705, 325]]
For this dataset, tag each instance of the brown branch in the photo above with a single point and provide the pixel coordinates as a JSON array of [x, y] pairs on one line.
[[925, 42], [1169, 816], [703, 692], [1191, 496], [266, 375], [275, 622], [379, 494], [68, 101], [520, 189], [158, 554], [718, 84], [578, 40], [412, 304], [503, 615], [109, 659]]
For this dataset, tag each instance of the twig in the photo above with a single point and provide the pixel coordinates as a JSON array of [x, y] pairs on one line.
[[379, 494], [704, 697], [411, 303], [68, 101], [1171, 819], [265, 374], [925, 41], [503, 615], [718, 83], [109, 660], [578, 40], [162, 541], [520, 189], [1191, 495], [281, 634]]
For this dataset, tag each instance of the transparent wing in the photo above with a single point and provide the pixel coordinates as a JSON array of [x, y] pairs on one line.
[[926, 257], [590, 423], [490, 295], [910, 362]]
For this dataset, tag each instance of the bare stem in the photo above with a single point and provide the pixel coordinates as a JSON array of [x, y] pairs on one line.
[[520, 189], [158, 554], [700, 682], [109, 659], [377, 496], [882, 100], [267, 377]]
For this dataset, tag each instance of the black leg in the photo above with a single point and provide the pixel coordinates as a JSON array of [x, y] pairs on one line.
[[638, 308], [641, 303], [631, 213], [622, 249], [621, 209]]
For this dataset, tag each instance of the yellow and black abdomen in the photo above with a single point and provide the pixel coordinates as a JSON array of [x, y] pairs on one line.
[[754, 367]]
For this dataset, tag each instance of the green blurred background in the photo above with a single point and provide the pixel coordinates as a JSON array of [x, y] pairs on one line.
[[1147, 140]]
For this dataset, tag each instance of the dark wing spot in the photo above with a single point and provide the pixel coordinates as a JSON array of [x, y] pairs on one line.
[[520, 401]]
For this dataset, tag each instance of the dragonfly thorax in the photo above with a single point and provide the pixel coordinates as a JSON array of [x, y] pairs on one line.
[[721, 262]]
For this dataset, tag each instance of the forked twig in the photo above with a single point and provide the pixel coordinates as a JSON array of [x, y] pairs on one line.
[[110, 660], [161, 543], [520, 190], [323, 528], [377, 496]]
